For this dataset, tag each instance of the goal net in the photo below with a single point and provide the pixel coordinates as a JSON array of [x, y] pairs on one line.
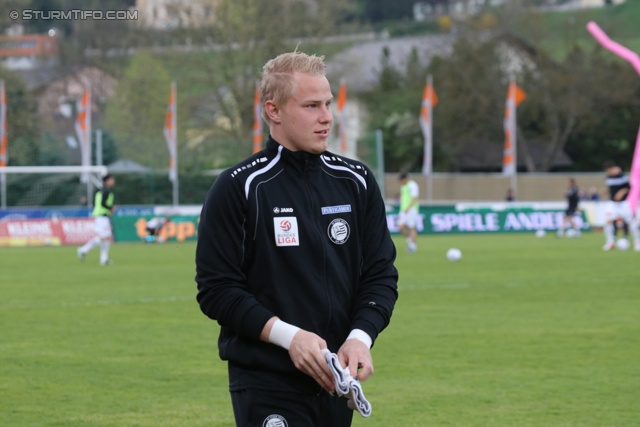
[[49, 185]]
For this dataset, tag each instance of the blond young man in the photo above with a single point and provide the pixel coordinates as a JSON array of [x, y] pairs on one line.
[[294, 257]]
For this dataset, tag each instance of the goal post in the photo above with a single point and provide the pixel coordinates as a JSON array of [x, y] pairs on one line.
[[49, 180]]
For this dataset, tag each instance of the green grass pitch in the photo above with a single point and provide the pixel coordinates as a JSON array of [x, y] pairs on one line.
[[523, 331]]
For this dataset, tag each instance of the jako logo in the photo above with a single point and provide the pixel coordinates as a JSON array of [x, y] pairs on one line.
[[285, 225], [283, 210]]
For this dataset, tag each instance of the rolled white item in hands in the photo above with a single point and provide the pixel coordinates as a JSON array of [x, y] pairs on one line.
[[347, 386]]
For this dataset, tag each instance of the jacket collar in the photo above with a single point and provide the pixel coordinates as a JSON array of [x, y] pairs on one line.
[[298, 160]]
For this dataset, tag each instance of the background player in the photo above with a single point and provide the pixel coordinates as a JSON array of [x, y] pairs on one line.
[[573, 198], [617, 206], [103, 208], [154, 226], [408, 215]]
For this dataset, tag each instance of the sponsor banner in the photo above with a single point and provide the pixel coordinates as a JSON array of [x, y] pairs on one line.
[[133, 228], [75, 226], [487, 219], [40, 213], [130, 223], [40, 232], [78, 231], [128, 211]]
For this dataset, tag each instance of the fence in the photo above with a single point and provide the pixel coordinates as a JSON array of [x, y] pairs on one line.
[[66, 189]]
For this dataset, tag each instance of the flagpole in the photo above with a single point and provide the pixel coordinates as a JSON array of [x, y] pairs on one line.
[[514, 130], [430, 131], [4, 152], [257, 120], [380, 162], [175, 140], [342, 116], [515, 96], [429, 100], [83, 131], [3, 184]]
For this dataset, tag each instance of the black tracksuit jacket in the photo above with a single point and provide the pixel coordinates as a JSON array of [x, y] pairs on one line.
[[300, 236]]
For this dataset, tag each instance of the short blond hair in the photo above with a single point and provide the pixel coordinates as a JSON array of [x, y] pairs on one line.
[[277, 85]]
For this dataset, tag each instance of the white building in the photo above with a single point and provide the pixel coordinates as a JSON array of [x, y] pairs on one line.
[[170, 14]]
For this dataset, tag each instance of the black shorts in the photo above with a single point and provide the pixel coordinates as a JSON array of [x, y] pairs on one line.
[[276, 408]]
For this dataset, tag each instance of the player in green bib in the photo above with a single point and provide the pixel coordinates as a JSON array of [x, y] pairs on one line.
[[408, 215], [103, 208]]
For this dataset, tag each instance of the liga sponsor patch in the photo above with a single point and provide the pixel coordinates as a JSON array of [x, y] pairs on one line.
[[285, 229]]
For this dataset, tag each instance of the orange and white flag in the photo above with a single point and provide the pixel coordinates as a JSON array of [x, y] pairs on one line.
[[4, 143], [171, 133], [429, 100], [342, 117], [83, 131], [515, 96], [257, 121]]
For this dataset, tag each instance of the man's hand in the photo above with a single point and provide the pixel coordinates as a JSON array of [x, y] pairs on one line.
[[355, 355], [306, 354]]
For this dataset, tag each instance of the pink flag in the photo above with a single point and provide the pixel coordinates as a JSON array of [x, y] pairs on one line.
[[83, 130], [171, 133]]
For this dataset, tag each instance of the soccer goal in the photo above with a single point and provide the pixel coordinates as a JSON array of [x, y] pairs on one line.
[[49, 185]]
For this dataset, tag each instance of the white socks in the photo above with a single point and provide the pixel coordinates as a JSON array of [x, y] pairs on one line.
[[104, 251], [609, 231], [90, 245]]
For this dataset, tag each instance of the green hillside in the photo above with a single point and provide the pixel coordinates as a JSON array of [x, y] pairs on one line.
[[558, 31]]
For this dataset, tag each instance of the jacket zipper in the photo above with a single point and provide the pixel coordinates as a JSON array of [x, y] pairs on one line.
[[316, 221]]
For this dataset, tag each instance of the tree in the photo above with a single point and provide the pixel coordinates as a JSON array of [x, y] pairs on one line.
[[582, 103], [394, 106], [471, 85], [135, 116], [383, 10], [22, 124], [581, 92], [609, 129], [245, 35], [8, 6]]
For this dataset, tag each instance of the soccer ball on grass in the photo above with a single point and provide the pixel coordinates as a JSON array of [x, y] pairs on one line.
[[454, 254], [622, 244]]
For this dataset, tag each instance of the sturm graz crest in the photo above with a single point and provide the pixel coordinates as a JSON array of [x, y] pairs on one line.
[[338, 231], [275, 420]]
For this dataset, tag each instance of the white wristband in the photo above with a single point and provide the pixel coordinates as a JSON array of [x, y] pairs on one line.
[[361, 335], [282, 334]]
